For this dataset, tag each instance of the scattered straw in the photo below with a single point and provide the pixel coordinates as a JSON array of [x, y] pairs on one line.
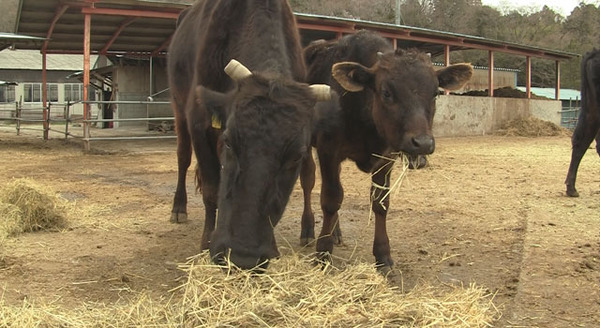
[[31, 207], [293, 293]]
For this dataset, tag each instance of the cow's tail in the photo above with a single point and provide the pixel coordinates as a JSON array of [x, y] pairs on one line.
[[198, 179]]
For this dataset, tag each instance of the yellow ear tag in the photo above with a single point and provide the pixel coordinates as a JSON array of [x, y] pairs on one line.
[[216, 122]]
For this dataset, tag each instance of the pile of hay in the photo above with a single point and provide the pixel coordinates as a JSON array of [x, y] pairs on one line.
[[293, 293], [531, 127], [27, 206]]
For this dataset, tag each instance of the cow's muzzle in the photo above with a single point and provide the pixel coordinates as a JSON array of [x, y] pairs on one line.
[[420, 145]]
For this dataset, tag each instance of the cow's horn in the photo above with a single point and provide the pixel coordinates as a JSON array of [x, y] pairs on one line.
[[321, 91], [236, 70]]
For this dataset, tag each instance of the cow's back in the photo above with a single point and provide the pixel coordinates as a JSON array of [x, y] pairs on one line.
[[590, 81], [183, 49], [361, 48], [213, 32]]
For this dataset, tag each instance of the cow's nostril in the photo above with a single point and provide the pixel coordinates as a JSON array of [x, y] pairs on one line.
[[423, 144]]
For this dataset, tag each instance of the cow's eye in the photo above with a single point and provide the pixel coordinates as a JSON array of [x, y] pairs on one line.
[[386, 94]]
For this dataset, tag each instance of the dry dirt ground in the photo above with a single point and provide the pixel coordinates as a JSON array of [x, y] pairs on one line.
[[489, 210]]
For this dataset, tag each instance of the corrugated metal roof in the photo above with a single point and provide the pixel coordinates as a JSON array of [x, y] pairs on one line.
[[565, 94], [32, 60], [8, 39], [144, 28]]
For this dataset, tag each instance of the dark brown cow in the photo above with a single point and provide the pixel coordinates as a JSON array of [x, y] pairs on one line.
[[262, 120], [387, 106], [588, 124]]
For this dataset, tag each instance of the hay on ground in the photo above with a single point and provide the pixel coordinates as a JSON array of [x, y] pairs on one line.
[[531, 127], [10, 218], [293, 293], [38, 208]]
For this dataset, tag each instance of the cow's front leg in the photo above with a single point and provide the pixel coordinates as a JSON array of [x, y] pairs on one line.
[[598, 142], [209, 173], [380, 200], [307, 181], [332, 195]]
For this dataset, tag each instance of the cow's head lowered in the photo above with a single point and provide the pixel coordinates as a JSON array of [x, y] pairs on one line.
[[404, 87], [266, 123]]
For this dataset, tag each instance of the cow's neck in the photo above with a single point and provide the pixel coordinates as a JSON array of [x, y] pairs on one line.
[[266, 50]]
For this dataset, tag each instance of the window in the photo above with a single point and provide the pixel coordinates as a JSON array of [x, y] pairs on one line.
[[7, 93], [74, 92], [52, 92], [32, 92]]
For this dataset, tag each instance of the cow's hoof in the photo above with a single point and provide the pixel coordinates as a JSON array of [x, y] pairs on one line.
[[385, 270], [572, 192], [323, 259], [305, 241], [178, 217], [337, 240], [337, 235]]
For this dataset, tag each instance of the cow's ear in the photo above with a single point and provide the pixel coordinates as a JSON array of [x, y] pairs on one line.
[[454, 76], [352, 76], [216, 103]]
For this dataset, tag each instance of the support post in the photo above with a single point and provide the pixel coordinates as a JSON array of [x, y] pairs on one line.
[[491, 74], [557, 87], [67, 119], [528, 77], [45, 95], [18, 114], [86, 80], [446, 61]]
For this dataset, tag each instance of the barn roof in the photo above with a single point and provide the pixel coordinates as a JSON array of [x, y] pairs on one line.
[[145, 27], [32, 60], [565, 94], [7, 39]]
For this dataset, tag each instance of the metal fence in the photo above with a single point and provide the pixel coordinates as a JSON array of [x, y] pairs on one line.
[[60, 119], [568, 117], [570, 113]]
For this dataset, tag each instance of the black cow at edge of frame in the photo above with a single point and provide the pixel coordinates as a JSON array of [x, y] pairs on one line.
[[588, 123], [249, 128], [386, 105]]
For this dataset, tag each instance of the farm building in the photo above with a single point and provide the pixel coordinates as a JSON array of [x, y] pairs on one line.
[[24, 69], [134, 36]]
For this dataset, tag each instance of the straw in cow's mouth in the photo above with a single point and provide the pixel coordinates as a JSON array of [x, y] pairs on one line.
[[396, 158]]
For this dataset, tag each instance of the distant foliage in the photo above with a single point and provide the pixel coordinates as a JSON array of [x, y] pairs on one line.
[[578, 33]]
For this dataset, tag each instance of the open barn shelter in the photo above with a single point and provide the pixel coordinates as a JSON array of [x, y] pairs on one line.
[[132, 38]]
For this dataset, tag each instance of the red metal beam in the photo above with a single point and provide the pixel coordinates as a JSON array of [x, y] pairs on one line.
[[327, 28], [45, 95], [528, 76], [491, 74], [60, 10], [115, 35], [446, 62], [87, 28], [163, 46], [129, 12]]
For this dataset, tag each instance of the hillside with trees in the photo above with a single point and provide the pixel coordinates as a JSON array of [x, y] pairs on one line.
[[578, 33]]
